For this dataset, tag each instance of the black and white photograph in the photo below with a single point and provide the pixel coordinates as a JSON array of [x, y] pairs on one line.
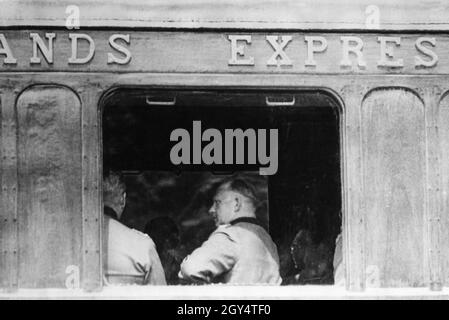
[[224, 150]]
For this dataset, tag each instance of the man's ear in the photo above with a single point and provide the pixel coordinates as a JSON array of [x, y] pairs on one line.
[[123, 199], [238, 203]]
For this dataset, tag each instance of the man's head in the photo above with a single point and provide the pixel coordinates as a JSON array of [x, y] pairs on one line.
[[114, 192], [235, 198]]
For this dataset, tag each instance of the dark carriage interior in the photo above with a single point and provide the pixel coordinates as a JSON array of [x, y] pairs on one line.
[[300, 204]]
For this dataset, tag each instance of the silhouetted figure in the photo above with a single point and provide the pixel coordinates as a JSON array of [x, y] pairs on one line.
[[165, 234], [313, 261]]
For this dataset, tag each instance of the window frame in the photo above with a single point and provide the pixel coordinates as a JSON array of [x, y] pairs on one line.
[[335, 103]]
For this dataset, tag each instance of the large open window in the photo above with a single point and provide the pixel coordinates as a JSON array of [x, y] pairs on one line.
[[300, 204]]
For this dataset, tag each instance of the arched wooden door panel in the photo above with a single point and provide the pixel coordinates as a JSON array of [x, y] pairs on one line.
[[49, 203], [393, 125], [443, 130]]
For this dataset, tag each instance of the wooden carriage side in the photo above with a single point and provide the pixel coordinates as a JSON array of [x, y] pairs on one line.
[[393, 127]]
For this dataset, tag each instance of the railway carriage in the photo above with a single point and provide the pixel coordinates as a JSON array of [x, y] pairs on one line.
[[358, 91]]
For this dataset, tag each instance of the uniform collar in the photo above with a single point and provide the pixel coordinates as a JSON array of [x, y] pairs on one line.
[[110, 212], [247, 220]]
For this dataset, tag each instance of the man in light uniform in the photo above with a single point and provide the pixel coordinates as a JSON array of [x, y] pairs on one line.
[[240, 250], [131, 256]]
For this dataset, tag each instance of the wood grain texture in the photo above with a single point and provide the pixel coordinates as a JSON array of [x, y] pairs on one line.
[[443, 126], [91, 195], [9, 190], [50, 185], [353, 217], [432, 242], [394, 179]]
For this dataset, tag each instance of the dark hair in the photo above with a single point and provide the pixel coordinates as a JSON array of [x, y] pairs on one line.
[[241, 186]]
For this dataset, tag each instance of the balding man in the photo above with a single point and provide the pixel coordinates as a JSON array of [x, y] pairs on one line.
[[240, 250], [131, 256]]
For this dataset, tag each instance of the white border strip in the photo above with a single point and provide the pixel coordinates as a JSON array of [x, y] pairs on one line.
[[225, 292]]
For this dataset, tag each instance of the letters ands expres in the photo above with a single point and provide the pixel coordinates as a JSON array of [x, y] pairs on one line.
[[120, 50]]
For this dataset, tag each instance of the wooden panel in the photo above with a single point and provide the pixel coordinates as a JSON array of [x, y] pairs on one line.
[[50, 185], [8, 198], [353, 218], [394, 178], [443, 126], [92, 203], [164, 51], [431, 96], [3, 213]]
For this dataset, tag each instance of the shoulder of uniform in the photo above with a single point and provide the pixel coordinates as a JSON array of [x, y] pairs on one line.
[[226, 229], [144, 236], [122, 227], [140, 233], [223, 228]]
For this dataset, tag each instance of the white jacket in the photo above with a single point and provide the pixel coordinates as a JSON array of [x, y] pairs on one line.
[[242, 253], [131, 256]]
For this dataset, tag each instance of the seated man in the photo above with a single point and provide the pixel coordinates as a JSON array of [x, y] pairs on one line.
[[131, 256], [240, 250]]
